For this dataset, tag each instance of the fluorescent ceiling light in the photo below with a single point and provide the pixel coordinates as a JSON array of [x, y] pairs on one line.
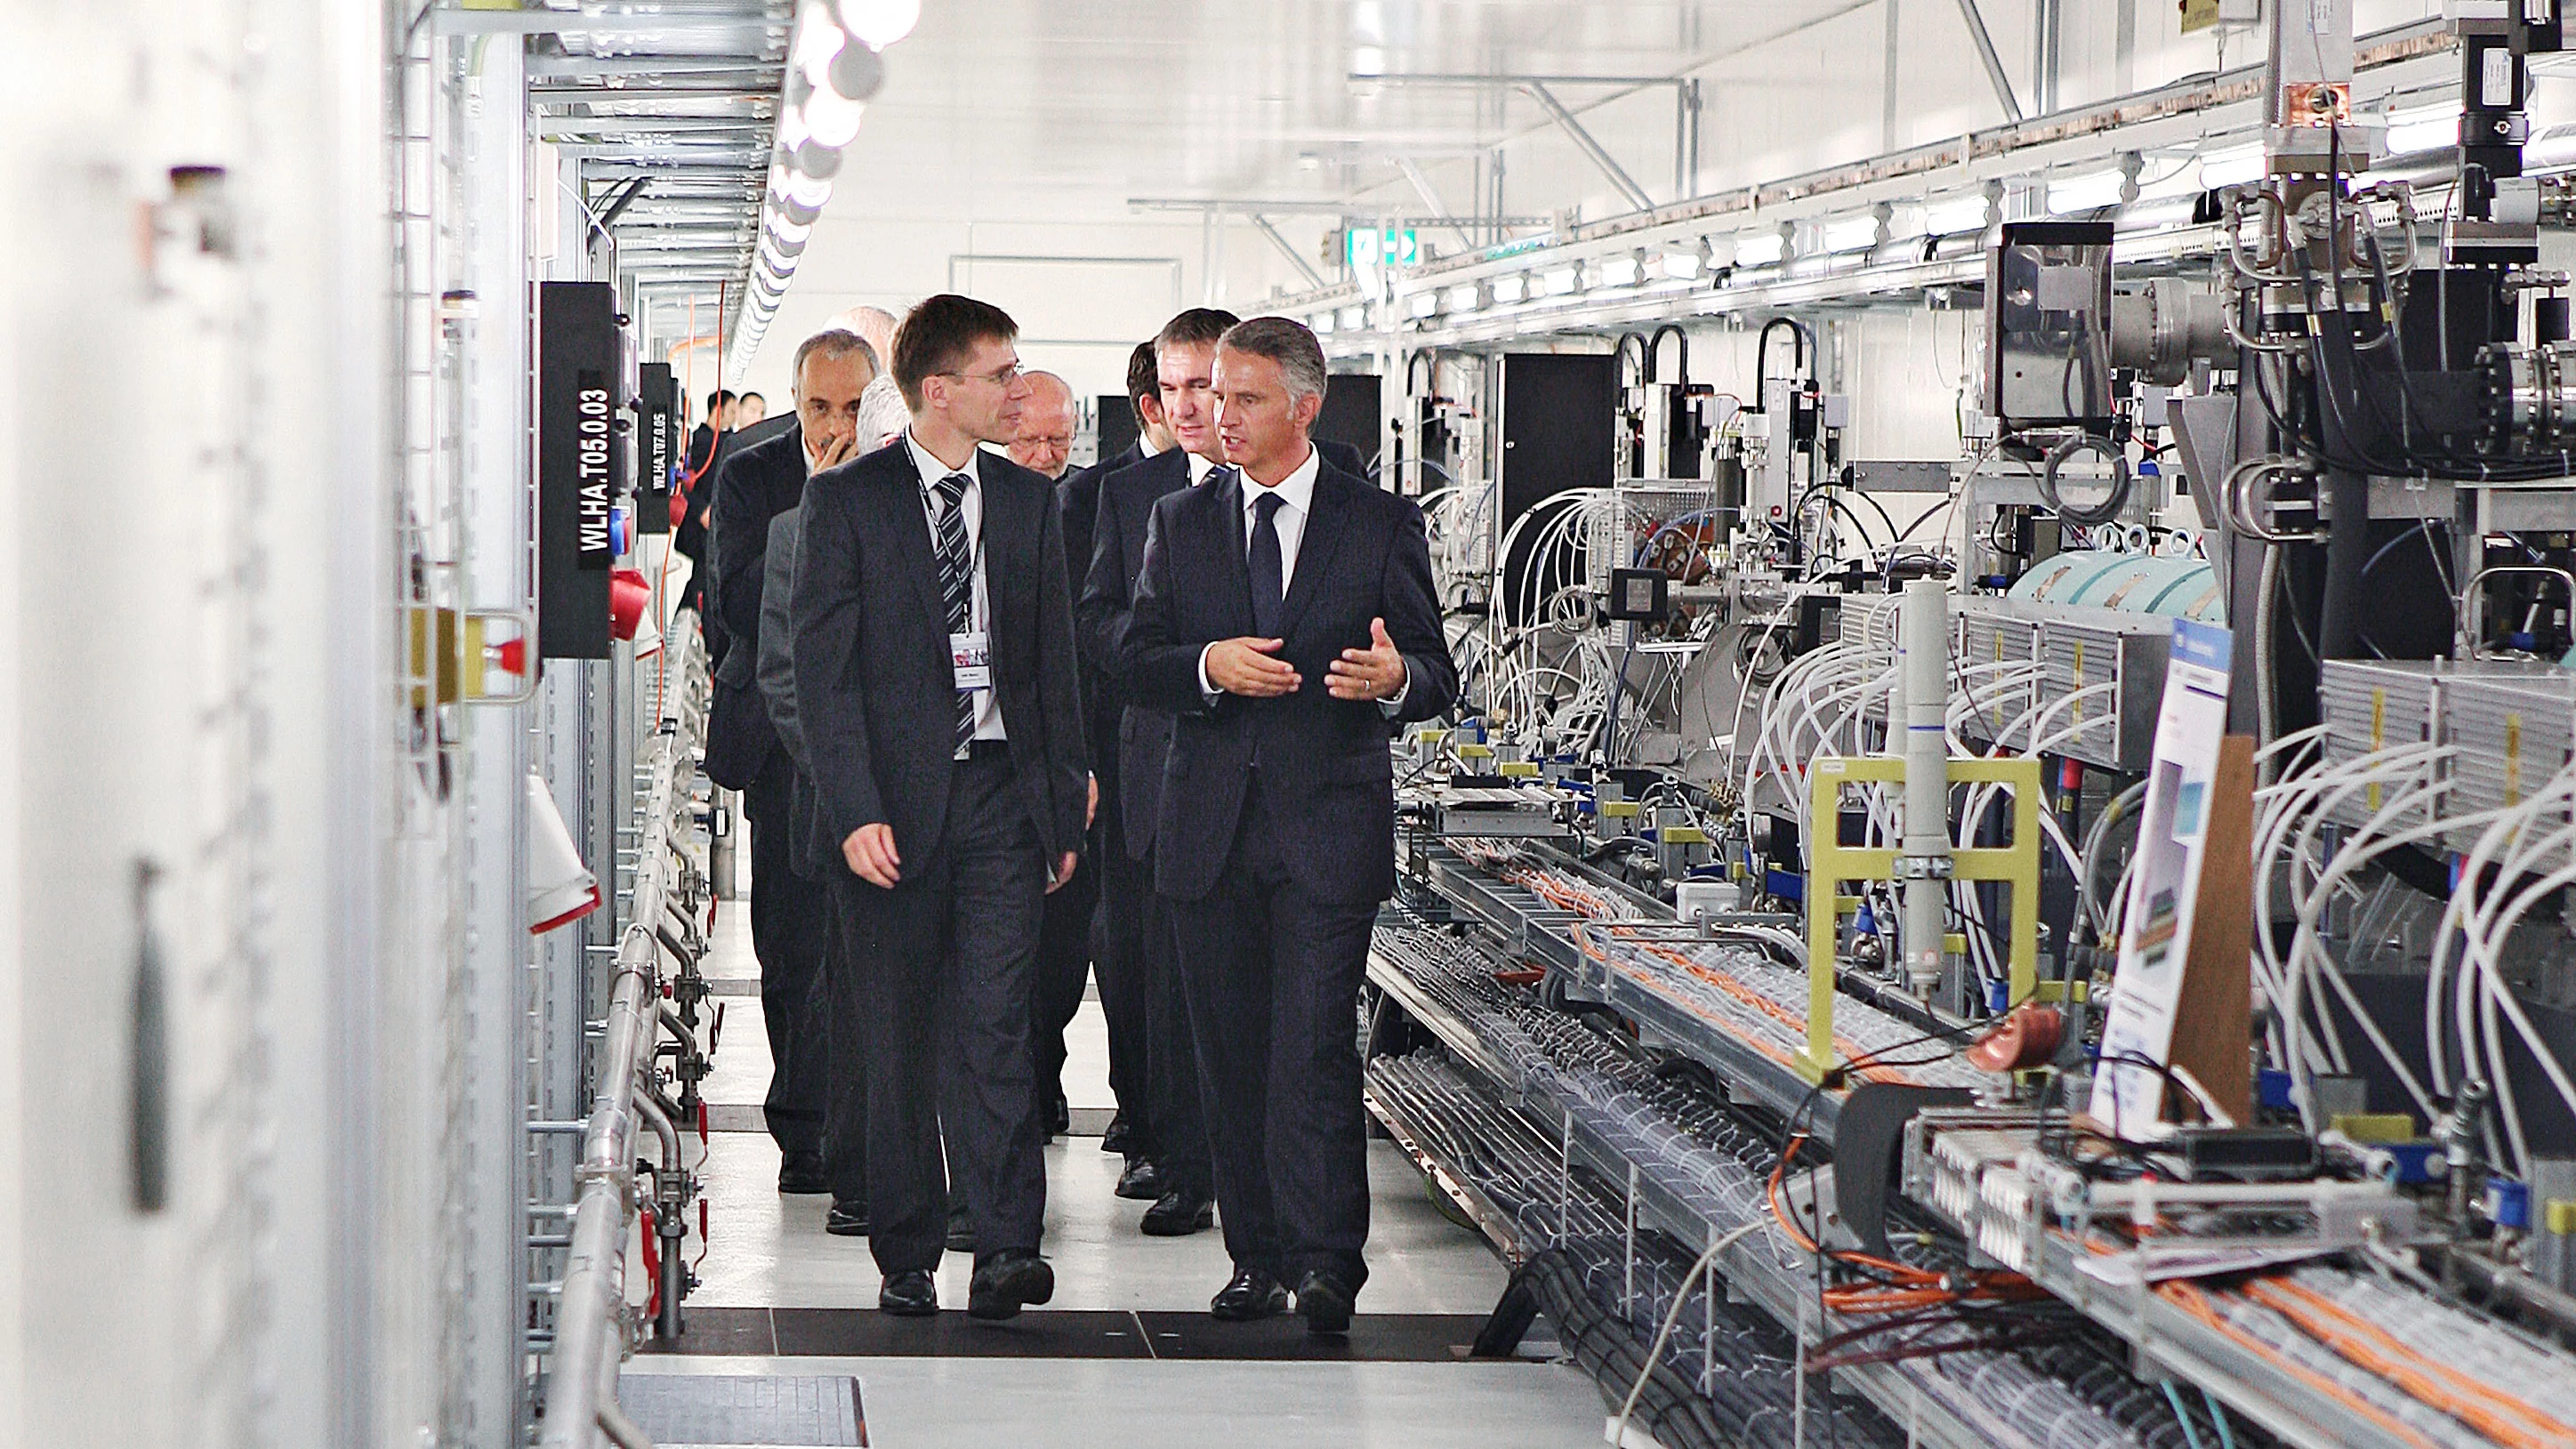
[[1955, 214], [1759, 248], [1368, 60], [1462, 299], [2086, 193], [1354, 318], [831, 118], [2423, 128], [1564, 281], [792, 129], [1681, 266], [1510, 289], [880, 22], [2234, 166], [1851, 233], [1424, 304], [1321, 324], [819, 37]]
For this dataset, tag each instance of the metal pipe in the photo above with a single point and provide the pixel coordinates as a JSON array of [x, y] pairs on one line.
[[621, 1430], [580, 1387], [1994, 63], [670, 1207], [1296, 258], [1592, 149], [1923, 661]]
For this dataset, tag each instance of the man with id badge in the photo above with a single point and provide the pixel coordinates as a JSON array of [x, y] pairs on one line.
[[935, 678]]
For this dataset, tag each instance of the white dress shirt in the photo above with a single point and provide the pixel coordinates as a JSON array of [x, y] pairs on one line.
[[988, 702], [1296, 494]]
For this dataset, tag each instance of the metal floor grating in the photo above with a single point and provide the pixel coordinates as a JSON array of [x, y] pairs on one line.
[[729, 1411]]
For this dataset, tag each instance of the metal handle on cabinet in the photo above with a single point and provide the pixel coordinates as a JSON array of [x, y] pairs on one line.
[[149, 1075]]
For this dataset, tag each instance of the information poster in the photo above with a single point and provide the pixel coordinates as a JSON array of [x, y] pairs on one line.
[[2155, 939]]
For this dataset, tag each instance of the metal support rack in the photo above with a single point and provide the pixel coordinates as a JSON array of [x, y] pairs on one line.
[[1753, 1268], [2169, 1341]]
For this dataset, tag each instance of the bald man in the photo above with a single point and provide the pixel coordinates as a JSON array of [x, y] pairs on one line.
[[1042, 445], [1045, 442], [883, 414]]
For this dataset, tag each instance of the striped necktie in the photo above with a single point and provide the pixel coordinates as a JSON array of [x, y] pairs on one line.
[[957, 583]]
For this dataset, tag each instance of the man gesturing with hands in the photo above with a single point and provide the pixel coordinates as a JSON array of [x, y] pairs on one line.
[[1285, 613]]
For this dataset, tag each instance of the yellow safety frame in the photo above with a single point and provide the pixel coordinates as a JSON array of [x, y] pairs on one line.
[[1830, 863]]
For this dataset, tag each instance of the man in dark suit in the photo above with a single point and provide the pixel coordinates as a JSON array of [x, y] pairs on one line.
[[791, 913], [936, 683], [1064, 942], [1139, 927], [696, 490], [1124, 1001], [1285, 613]]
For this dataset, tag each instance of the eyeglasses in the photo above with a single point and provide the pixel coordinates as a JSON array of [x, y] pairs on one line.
[[1005, 377]]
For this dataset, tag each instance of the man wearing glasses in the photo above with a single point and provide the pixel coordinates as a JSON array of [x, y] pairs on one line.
[[935, 681]]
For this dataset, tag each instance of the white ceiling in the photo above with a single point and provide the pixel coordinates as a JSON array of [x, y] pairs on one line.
[[1026, 127], [1112, 98]]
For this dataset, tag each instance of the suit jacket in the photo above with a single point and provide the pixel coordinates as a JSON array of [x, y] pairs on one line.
[[1077, 502], [1143, 732], [1345, 457], [777, 676], [753, 486], [1327, 781], [875, 694]]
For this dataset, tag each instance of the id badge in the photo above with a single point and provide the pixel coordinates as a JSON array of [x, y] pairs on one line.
[[971, 656]]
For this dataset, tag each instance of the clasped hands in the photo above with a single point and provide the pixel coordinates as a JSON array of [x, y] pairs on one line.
[[1249, 667]]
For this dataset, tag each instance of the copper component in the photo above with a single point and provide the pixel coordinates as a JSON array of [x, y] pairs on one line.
[[2026, 1038]]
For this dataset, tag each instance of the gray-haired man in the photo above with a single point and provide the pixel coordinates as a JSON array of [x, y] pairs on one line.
[[1286, 615]]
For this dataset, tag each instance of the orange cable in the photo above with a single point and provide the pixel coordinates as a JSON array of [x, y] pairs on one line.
[[2473, 1403], [2193, 1301]]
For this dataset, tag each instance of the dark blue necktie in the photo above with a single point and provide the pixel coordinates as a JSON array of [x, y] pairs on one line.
[[957, 582], [1269, 575]]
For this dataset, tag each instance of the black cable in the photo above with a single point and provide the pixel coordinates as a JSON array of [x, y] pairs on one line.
[[1762, 355]]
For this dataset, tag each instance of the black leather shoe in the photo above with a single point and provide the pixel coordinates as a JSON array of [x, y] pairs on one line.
[[802, 1172], [909, 1295], [1062, 1115], [961, 1233], [1011, 1278], [847, 1220], [1324, 1301], [1250, 1294], [1116, 1137], [1178, 1213], [1142, 1181]]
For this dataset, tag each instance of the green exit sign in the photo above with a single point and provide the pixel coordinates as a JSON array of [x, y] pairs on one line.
[[1393, 246]]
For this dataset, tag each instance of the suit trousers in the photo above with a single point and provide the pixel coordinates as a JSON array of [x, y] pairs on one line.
[[942, 969], [1273, 979], [845, 1118], [1113, 946], [791, 934], [1139, 947], [1064, 966]]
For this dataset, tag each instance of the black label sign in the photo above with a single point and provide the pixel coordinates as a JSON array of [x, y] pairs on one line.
[[577, 462], [596, 413], [657, 398]]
